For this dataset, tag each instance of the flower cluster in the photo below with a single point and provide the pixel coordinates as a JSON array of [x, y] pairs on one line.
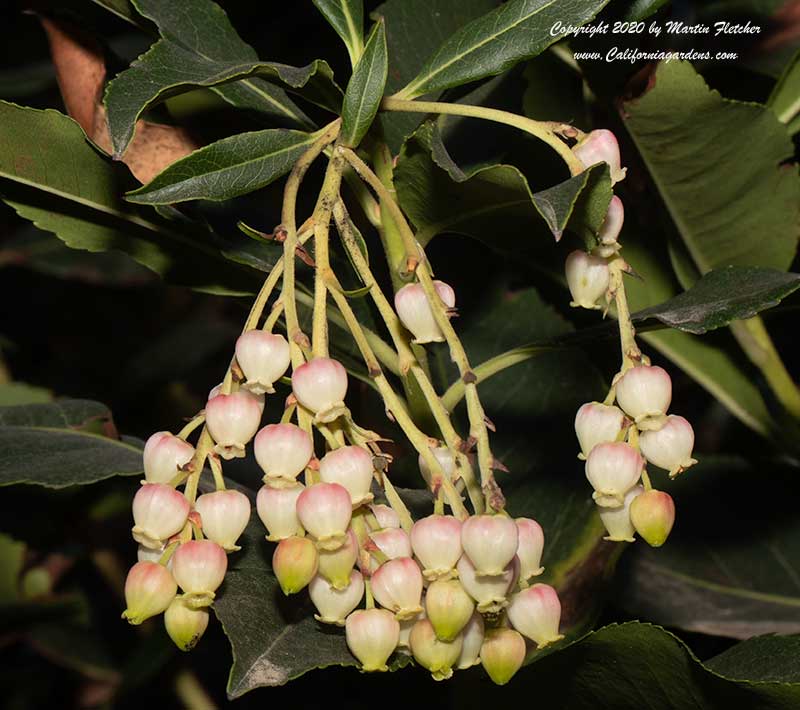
[[631, 428]]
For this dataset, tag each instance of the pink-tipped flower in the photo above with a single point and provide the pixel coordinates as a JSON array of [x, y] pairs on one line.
[[334, 604], [415, 311], [164, 454], [351, 467], [613, 469], [294, 563], [149, 589], [617, 520], [386, 517], [431, 652], [324, 510], [529, 550], [612, 225], [472, 635], [601, 146], [588, 278], [670, 447], [393, 542], [224, 515], [199, 567], [159, 511], [232, 420], [644, 391], [653, 515], [397, 586], [502, 654], [336, 566], [490, 542], [372, 636], [536, 613], [277, 508], [320, 385], [448, 608], [446, 459], [597, 423], [264, 358], [489, 592], [257, 398], [185, 625], [436, 541], [282, 451]]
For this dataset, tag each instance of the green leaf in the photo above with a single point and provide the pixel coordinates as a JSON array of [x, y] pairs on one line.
[[227, 168], [718, 166], [13, 393], [730, 566], [785, 97], [199, 47], [515, 31], [763, 658], [638, 10], [65, 443], [121, 8], [52, 176], [365, 90], [347, 18]]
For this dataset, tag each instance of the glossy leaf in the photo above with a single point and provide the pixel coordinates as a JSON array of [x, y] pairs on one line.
[[65, 443], [227, 168], [121, 8], [199, 47], [718, 166], [765, 658], [730, 565], [365, 90], [347, 18], [515, 31]]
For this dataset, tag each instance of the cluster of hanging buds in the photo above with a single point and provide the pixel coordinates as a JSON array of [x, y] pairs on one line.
[[630, 428]]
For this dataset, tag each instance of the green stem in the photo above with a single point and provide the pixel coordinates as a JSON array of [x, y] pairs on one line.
[[216, 470], [205, 444], [543, 130], [191, 426], [631, 355], [191, 693]]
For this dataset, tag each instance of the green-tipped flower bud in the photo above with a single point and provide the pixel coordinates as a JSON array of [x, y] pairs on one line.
[[294, 563], [185, 625], [149, 589], [448, 607], [432, 653], [502, 654], [653, 514], [372, 636]]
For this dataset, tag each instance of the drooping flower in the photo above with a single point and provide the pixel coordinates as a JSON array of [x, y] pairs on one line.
[[351, 467], [295, 563], [431, 652], [199, 567], [232, 420], [414, 310], [282, 451], [490, 542], [264, 358], [613, 469], [149, 589], [372, 636], [321, 385], [159, 512], [334, 604], [536, 613], [588, 278], [325, 510], [224, 516], [653, 515], [601, 146], [502, 654], [164, 454], [669, 447]]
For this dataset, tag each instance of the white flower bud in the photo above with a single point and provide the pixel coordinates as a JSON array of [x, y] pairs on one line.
[[432, 653], [321, 385], [336, 566], [597, 423], [185, 625], [149, 589], [446, 459], [372, 636], [448, 607], [612, 225], [436, 541], [613, 469], [232, 420], [295, 562], [536, 613], [490, 542], [393, 543], [529, 550], [502, 654], [472, 635], [282, 451], [653, 515], [489, 592], [277, 508], [617, 520], [224, 516], [601, 146], [351, 467], [644, 391], [159, 512], [164, 454], [264, 358], [324, 510], [588, 278], [397, 586], [415, 312], [199, 567], [334, 604], [386, 517], [670, 447], [257, 398]]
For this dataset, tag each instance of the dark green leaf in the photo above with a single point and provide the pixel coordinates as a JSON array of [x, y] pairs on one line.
[[199, 47], [51, 175], [785, 97], [347, 18], [763, 658], [227, 168], [365, 90], [66, 443], [121, 8], [515, 31], [730, 566], [638, 10], [718, 166], [13, 393]]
